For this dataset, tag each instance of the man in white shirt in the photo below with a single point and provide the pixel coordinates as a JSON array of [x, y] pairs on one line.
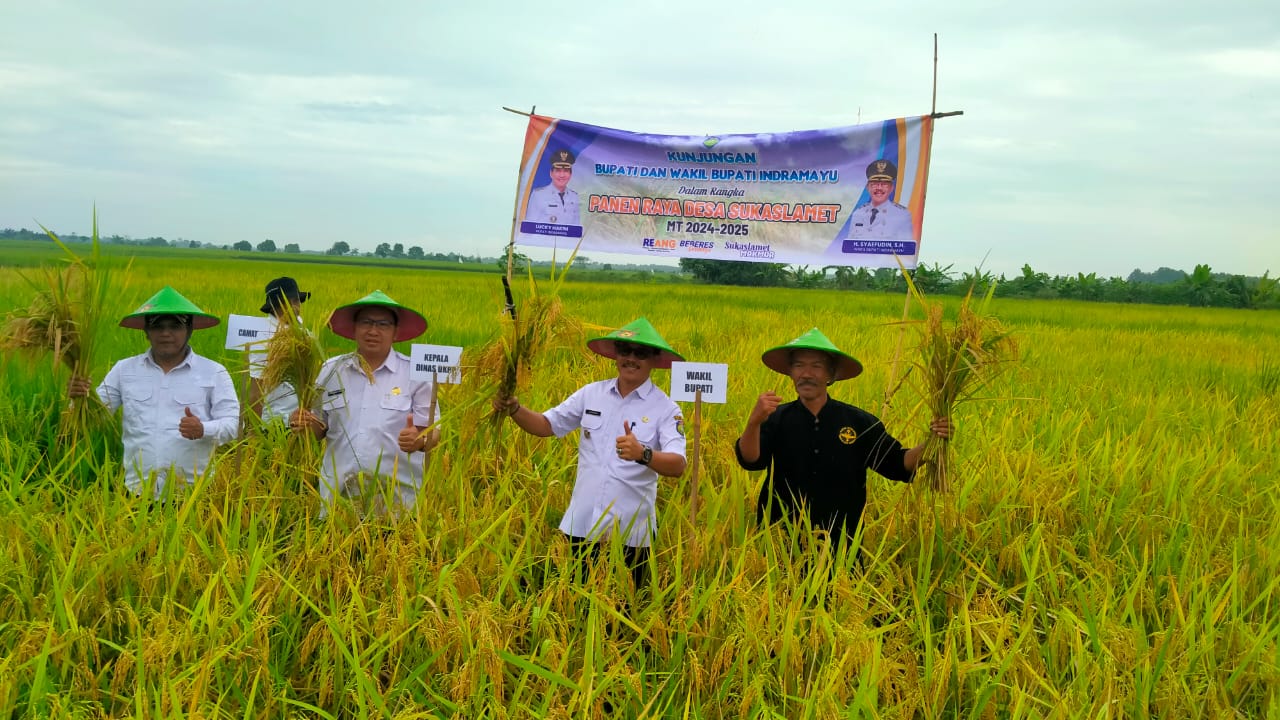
[[177, 406], [882, 218], [631, 433], [554, 202], [283, 296], [373, 418]]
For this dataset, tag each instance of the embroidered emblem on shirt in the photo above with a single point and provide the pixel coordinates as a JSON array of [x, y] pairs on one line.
[[847, 435], [680, 425], [395, 390], [644, 419]]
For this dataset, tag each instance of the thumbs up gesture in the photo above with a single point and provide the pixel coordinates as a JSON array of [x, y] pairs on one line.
[[190, 426], [629, 447], [410, 437]]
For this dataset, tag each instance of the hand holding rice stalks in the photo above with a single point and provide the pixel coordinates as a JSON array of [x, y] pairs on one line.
[[64, 319], [957, 360]]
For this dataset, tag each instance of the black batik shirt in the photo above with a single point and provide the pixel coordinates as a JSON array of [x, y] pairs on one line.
[[820, 463]]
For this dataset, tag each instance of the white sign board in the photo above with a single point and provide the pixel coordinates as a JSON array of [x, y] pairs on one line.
[[244, 329], [440, 359], [711, 378]]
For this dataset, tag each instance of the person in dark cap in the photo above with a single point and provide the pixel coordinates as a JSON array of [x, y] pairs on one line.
[[816, 449], [554, 202], [631, 433], [372, 415], [177, 406], [882, 218], [283, 300]]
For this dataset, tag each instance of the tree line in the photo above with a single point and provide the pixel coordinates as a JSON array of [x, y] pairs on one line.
[[1166, 286]]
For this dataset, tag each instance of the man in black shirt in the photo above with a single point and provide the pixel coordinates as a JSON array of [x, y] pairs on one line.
[[818, 449]]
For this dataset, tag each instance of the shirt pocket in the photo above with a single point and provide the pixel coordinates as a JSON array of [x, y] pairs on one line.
[[331, 400], [591, 424], [136, 393], [195, 396], [402, 403]]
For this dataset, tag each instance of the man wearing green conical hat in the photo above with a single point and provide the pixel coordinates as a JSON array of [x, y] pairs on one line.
[[177, 406], [373, 417], [631, 433], [816, 449]]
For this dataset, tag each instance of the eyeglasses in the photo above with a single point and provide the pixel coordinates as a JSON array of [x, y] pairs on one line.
[[378, 324], [639, 352]]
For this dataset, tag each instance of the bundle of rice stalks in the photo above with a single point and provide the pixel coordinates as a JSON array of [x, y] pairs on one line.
[[65, 320], [538, 324], [958, 360], [294, 358]]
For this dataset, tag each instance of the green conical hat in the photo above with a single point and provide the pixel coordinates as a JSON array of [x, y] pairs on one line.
[[636, 332], [778, 359], [409, 323], [169, 302]]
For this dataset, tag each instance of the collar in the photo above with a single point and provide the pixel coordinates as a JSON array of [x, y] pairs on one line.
[[391, 364], [186, 359], [642, 391]]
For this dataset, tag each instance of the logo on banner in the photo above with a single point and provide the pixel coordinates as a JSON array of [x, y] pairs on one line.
[[661, 245]]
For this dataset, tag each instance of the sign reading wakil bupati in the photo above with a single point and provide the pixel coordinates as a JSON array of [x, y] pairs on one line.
[[851, 196], [443, 360], [712, 379], [245, 329]]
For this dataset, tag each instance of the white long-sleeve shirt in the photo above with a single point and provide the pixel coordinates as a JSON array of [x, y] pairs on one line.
[[155, 402], [365, 420], [611, 494]]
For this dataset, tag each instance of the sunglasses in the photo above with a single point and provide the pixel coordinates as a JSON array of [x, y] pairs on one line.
[[639, 352]]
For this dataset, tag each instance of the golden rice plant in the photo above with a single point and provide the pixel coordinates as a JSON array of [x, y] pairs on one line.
[[957, 360], [537, 324], [294, 357], [65, 320]]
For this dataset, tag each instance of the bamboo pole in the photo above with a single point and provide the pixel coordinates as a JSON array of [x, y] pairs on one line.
[[697, 456]]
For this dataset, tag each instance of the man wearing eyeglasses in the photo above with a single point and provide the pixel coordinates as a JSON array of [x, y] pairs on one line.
[[631, 433], [372, 416], [177, 406]]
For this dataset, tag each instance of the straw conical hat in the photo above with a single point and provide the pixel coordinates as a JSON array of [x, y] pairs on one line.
[[410, 323], [168, 302], [637, 332], [778, 359]]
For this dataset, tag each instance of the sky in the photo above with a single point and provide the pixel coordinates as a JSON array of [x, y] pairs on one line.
[[1096, 136]]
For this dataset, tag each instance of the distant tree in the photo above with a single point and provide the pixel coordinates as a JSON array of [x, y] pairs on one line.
[[415, 253], [730, 272], [803, 277], [243, 246], [292, 248], [607, 267], [397, 250], [156, 242], [931, 279], [383, 250], [267, 245], [339, 248]]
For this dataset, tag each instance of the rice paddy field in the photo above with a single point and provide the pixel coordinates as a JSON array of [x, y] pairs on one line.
[[1110, 548]]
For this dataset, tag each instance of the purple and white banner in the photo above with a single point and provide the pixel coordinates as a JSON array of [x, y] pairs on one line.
[[851, 196]]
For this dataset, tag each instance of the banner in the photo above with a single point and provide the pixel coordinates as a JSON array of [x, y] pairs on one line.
[[851, 196]]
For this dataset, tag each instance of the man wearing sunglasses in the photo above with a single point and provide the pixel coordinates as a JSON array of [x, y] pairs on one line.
[[631, 433]]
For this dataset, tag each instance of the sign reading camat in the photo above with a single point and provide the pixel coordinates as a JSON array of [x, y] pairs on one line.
[[245, 329], [710, 378], [443, 360]]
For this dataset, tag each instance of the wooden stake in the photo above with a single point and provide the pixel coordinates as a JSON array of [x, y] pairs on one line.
[[697, 455]]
